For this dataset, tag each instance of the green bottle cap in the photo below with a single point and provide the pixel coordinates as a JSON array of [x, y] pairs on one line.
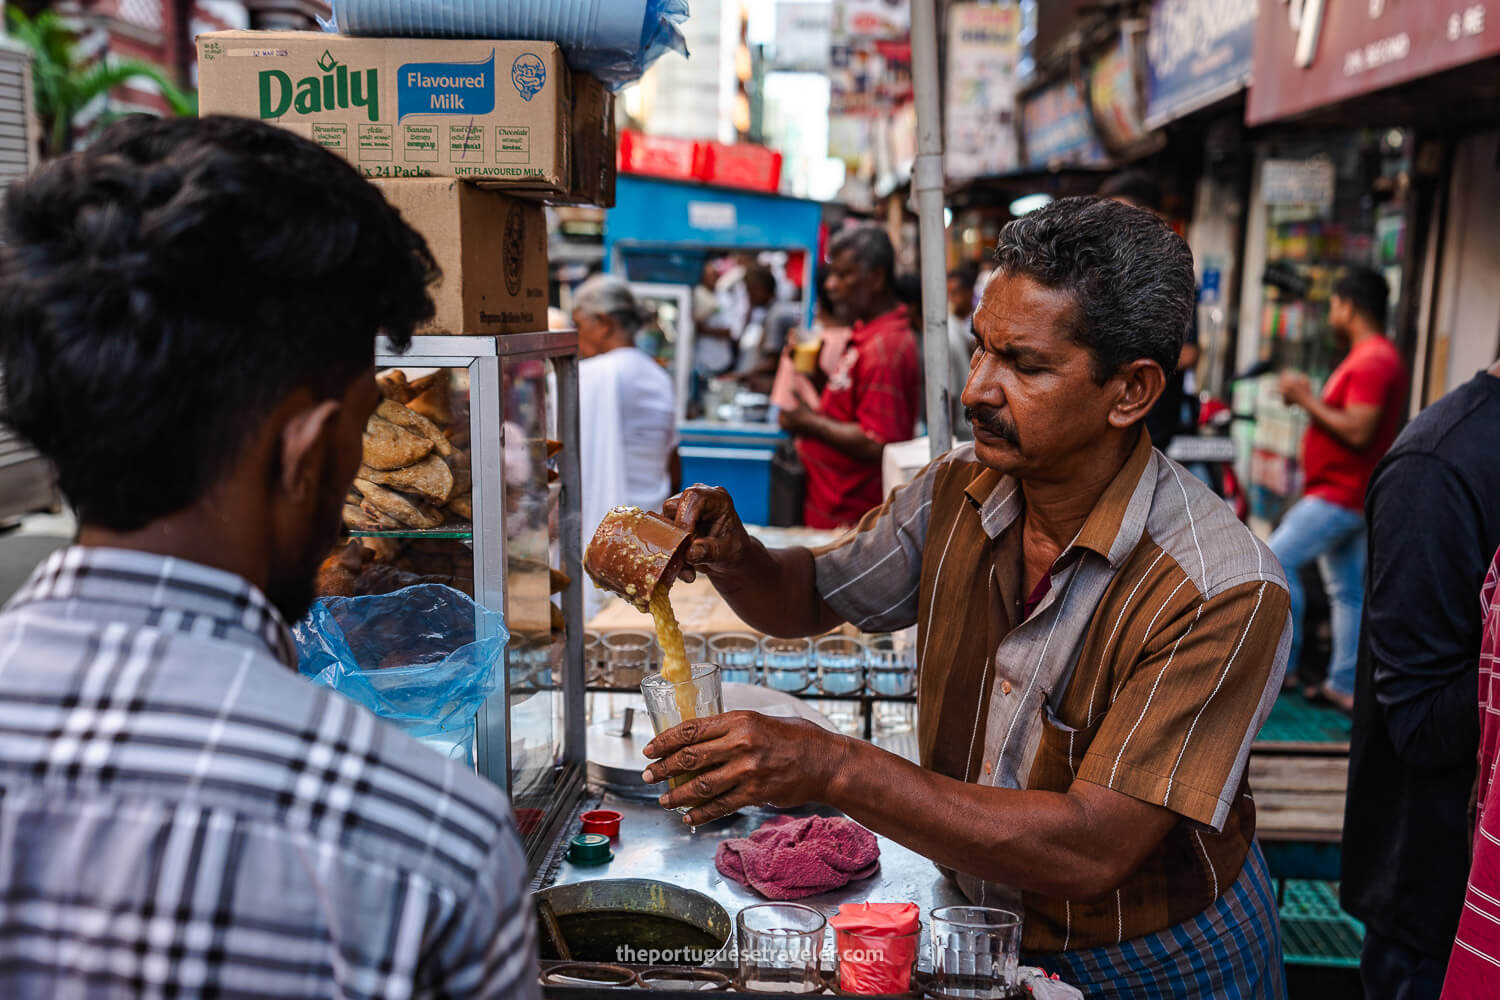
[[590, 849]]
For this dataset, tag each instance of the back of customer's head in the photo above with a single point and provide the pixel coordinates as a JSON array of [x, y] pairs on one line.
[[165, 290]]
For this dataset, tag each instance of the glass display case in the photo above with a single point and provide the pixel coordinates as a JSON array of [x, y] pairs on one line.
[[502, 416]]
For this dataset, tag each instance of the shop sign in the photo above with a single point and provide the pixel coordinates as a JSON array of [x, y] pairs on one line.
[[1311, 53], [981, 98], [1058, 132], [873, 18], [1197, 52], [1305, 184], [1115, 92], [804, 34], [713, 215]]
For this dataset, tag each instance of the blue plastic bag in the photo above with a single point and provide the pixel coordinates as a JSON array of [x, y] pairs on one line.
[[614, 40], [424, 658]]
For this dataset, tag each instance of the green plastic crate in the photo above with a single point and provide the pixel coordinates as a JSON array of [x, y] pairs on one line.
[[1294, 719], [1314, 931]]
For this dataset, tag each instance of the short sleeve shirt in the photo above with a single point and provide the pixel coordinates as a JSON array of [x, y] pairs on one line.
[[876, 385], [1147, 665], [1372, 375]]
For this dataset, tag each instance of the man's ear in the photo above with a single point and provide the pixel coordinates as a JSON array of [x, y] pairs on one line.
[[306, 437], [1138, 386]]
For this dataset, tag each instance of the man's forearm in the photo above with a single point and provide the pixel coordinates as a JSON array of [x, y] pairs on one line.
[[775, 591], [849, 438], [1035, 841], [1335, 421]]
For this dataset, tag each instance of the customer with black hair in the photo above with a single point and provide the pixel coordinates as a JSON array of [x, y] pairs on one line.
[[188, 314], [1352, 425]]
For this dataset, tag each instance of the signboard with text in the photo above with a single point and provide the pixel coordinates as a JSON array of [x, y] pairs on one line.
[[1198, 52], [982, 52], [1318, 52], [1058, 131]]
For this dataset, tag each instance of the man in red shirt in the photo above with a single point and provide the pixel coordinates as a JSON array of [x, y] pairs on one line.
[[871, 398], [1353, 425]]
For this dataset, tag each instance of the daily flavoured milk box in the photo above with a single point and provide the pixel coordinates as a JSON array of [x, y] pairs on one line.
[[502, 113]]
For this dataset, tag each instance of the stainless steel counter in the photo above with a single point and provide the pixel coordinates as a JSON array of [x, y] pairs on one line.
[[655, 844]]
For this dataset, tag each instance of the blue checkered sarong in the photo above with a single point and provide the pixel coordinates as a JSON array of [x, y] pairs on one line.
[[1232, 950]]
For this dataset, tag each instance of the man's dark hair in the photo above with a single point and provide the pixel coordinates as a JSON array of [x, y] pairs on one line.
[[1136, 186], [908, 289], [967, 274], [1366, 290], [164, 289], [760, 274], [1130, 276], [872, 249]]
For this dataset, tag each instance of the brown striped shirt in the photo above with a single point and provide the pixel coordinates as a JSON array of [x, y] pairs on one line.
[[1147, 668]]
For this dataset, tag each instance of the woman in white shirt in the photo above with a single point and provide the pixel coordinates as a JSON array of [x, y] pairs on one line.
[[628, 413]]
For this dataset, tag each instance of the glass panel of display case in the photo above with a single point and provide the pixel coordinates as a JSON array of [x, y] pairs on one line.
[[534, 659]]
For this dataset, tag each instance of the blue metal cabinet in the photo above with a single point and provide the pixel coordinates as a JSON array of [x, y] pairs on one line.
[[734, 456]]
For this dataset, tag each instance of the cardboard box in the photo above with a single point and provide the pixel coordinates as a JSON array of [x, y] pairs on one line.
[[492, 248], [494, 112], [594, 139]]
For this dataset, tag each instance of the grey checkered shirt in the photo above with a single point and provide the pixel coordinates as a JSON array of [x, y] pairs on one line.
[[182, 815]]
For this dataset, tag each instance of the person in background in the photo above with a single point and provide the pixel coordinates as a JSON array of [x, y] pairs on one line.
[[909, 294], [189, 310], [871, 399], [961, 343], [627, 412], [766, 331], [832, 337], [1476, 946], [1175, 411], [1352, 424], [1433, 511], [713, 347]]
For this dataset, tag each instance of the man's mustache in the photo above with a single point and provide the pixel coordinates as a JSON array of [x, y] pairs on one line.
[[990, 421]]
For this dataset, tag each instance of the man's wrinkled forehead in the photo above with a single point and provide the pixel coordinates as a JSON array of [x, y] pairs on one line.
[[1018, 305]]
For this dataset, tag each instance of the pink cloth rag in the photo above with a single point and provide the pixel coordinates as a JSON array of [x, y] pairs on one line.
[[788, 858]]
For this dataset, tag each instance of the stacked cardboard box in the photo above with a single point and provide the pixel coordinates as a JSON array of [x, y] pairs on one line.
[[465, 137]]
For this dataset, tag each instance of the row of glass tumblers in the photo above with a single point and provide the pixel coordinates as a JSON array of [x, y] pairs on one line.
[[835, 665]]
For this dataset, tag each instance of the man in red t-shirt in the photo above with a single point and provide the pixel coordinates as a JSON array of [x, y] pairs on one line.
[[1353, 425], [871, 398]]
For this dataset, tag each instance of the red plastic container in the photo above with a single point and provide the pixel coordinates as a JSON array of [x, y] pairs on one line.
[[604, 821], [657, 156], [744, 165]]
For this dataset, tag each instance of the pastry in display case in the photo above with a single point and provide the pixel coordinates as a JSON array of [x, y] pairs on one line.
[[468, 479]]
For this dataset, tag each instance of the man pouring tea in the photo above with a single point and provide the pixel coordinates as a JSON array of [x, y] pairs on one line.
[[1099, 639]]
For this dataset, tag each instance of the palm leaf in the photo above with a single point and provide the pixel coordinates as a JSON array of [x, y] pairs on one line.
[[103, 77], [64, 88]]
